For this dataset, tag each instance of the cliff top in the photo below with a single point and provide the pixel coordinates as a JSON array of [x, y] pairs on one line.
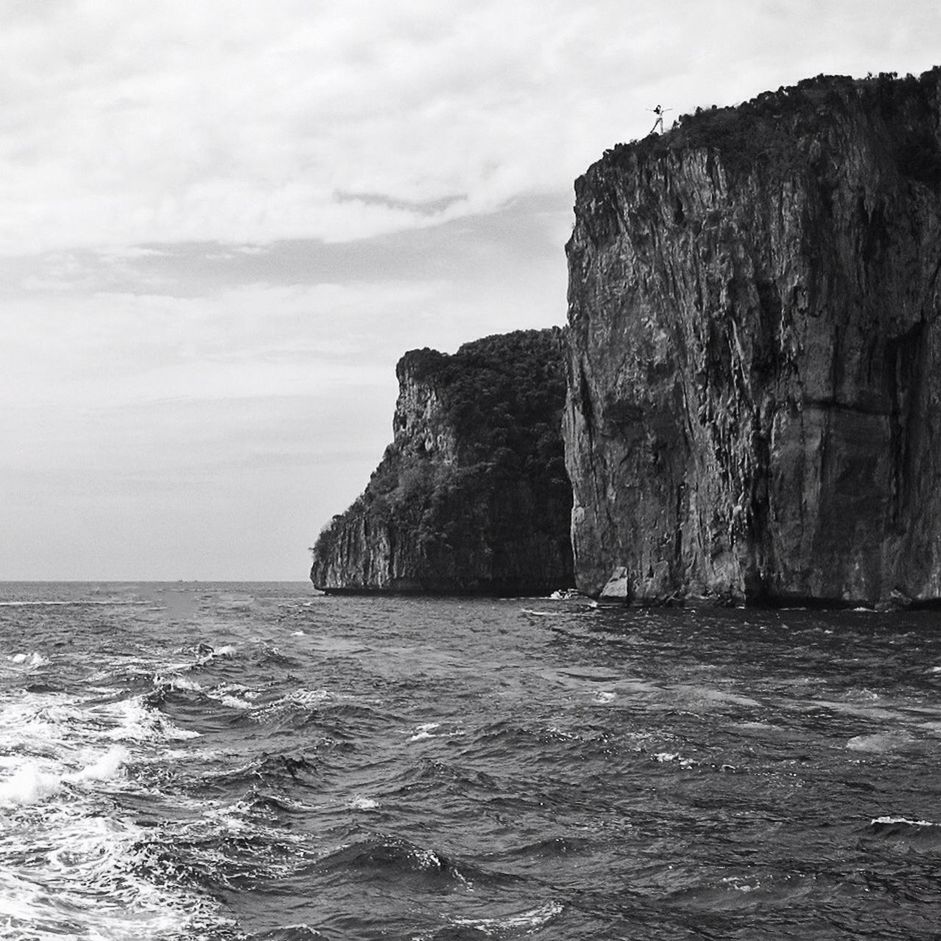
[[766, 128], [501, 349], [494, 391]]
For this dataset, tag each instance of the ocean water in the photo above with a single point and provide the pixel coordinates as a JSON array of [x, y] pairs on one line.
[[252, 761]]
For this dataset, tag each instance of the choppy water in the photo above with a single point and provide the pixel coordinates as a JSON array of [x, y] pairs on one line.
[[252, 761]]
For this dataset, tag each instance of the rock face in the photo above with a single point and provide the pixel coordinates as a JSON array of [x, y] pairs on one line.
[[472, 495], [754, 407]]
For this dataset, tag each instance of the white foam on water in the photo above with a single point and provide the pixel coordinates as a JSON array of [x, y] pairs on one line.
[[76, 866], [359, 802], [709, 696], [32, 780], [29, 660], [879, 742], [38, 724], [739, 885], [228, 817], [232, 695], [27, 784], [304, 698], [135, 721], [529, 921], [175, 681], [66, 859], [425, 730], [233, 702], [903, 820], [665, 757], [106, 766], [309, 697], [124, 668], [205, 654]]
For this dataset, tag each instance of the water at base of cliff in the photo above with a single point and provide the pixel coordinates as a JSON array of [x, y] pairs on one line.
[[252, 761]]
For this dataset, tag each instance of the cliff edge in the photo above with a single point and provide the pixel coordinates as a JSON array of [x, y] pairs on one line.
[[472, 495], [755, 357]]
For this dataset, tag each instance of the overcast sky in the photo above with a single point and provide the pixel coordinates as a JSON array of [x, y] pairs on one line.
[[222, 222]]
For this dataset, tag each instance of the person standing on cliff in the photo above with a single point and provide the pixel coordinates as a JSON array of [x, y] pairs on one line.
[[659, 112]]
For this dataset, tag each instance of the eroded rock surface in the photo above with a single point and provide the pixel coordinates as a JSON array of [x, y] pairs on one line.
[[755, 365]]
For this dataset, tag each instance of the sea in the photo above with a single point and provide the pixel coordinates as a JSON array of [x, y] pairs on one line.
[[255, 761]]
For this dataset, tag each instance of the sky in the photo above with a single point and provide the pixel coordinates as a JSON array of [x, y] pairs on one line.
[[222, 223]]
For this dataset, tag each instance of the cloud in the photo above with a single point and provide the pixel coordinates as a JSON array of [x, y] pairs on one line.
[[248, 123]]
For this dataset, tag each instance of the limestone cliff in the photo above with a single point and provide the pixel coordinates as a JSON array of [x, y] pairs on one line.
[[472, 495], [755, 355]]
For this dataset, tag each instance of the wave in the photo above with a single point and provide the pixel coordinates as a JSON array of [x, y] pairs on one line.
[[267, 770], [199, 854], [391, 856], [881, 742], [290, 933], [684, 762], [261, 805], [565, 742], [735, 893], [906, 830], [551, 848], [135, 721], [206, 654], [178, 689], [428, 774], [527, 922], [339, 716]]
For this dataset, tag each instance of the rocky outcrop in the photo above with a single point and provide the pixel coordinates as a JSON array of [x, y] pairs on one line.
[[472, 495], [754, 407]]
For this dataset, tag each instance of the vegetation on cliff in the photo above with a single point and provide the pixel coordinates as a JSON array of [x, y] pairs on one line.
[[472, 495], [768, 129]]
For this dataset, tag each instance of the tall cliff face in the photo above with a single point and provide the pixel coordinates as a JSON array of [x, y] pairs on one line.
[[472, 495], [754, 405]]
